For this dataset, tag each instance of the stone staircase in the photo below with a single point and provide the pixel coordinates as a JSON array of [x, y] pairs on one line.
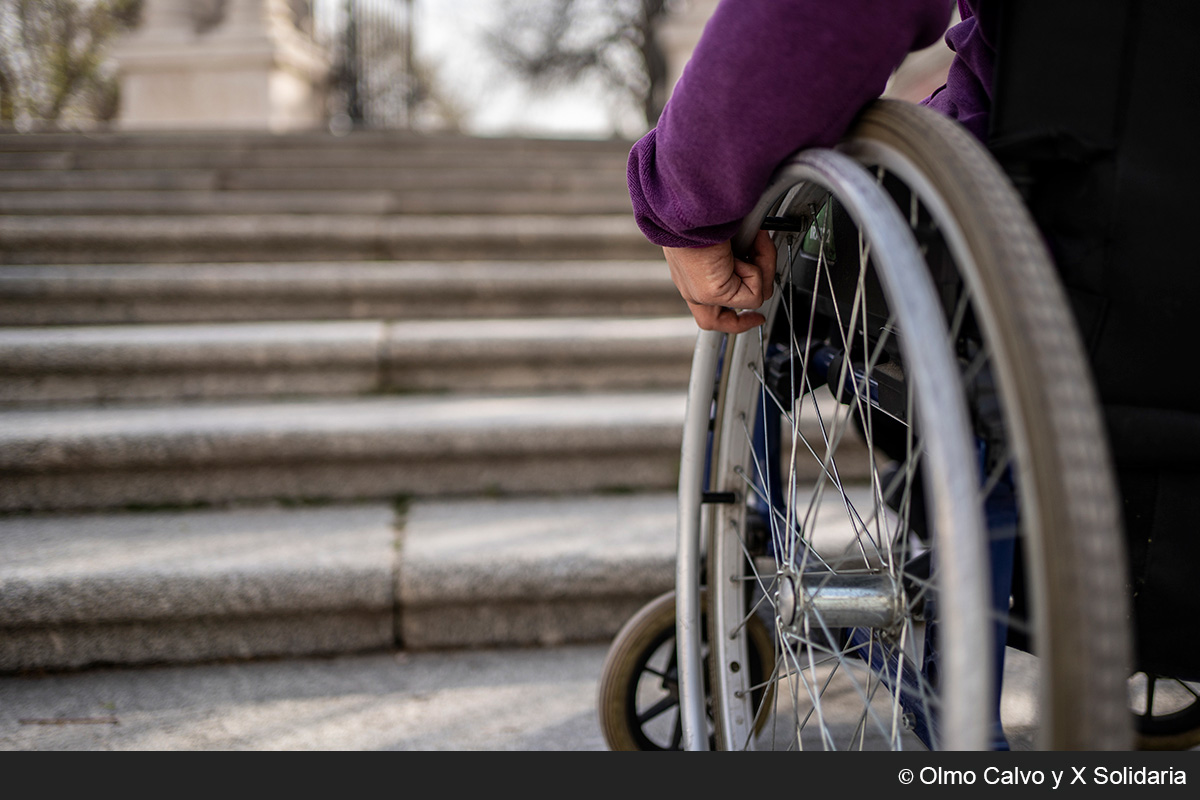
[[282, 395]]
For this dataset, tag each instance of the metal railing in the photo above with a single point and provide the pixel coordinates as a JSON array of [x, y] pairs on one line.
[[374, 83]]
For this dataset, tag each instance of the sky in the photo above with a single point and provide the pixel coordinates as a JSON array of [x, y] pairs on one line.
[[449, 34]]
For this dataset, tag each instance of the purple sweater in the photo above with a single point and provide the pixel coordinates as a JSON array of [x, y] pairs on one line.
[[770, 77]]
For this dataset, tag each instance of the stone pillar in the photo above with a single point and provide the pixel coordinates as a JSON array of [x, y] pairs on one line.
[[679, 33], [235, 64]]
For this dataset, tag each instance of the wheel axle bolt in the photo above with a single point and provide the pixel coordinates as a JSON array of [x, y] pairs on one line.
[[786, 600]]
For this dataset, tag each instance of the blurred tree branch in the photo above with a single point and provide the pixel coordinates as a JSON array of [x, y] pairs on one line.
[[555, 43], [53, 59]]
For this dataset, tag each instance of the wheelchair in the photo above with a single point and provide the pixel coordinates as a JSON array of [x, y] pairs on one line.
[[900, 517]]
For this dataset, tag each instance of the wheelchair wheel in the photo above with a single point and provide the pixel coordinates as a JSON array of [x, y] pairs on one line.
[[840, 445], [841, 551], [1032, 395], [1166, 712], [639, 684]]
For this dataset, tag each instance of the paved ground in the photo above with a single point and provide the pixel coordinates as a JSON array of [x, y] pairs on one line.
[[524, 699], [519, 699]]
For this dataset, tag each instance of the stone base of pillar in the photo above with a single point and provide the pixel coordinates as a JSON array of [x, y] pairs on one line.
[[250, 71]]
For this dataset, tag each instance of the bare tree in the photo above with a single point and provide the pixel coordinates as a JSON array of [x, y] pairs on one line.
[[53, 59], [555, 43]]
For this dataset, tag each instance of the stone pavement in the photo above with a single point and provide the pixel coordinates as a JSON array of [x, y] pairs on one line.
[[541, 699]]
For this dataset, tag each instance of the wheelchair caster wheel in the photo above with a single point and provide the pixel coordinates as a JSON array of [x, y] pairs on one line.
[[639, 685], [1166, 712]]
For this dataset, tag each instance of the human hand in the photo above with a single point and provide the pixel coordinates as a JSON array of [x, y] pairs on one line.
[[716, 285]]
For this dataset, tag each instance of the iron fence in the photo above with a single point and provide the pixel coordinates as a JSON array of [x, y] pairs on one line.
[[374, 83]]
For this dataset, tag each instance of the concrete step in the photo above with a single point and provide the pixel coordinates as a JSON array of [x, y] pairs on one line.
[[88, 294], [107, 364], [309, 200], [200, 179], [253, 582], [264, 581], [329, 153], [173, 455], [492, 178], [71, 239], [322, 450], [380, 141]]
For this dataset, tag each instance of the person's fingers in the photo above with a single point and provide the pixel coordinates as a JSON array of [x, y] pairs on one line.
[[764, 257], [756, 274], [715, 284], [725, 320], [748, 280]]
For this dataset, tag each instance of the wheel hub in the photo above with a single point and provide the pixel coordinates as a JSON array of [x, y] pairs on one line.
[[827, 600]]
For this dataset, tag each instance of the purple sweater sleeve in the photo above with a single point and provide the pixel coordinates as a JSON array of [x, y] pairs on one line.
[[767, 78], [967, 95]]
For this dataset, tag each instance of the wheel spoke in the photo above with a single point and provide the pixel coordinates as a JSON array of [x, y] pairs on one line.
[[661, 707]]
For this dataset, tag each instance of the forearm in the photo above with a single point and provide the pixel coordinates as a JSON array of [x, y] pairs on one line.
[[768, 78]]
